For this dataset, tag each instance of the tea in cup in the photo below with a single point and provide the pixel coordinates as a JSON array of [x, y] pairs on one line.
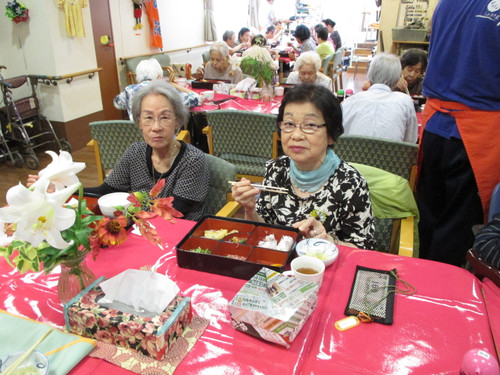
[[307, 268]]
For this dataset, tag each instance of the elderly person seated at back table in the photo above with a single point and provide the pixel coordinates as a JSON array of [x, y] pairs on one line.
[[380, 112], [244, 36], [229, 37], [159, 112], [219, 66], [145, 72], [326, 197], [413, 63], [307, 69], [303, 36], [259, 52]]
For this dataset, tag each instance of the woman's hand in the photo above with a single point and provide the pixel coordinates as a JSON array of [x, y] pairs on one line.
[[32, 178], [312, 228], [200, 73], [402, 85], [244, 193]]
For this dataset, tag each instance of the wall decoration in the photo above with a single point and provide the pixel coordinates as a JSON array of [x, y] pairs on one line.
[[137, 14], [73, 16], [154, 23], [16, 11]]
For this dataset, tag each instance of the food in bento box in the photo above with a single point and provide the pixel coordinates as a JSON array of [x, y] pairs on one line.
[[270, 242], [234, 256], [201, 251], [218, 234]]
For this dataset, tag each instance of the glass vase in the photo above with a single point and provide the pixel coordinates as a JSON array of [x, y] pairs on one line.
[[75, 276]]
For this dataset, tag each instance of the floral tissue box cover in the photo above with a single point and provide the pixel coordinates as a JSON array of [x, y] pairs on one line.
[[152, 336]]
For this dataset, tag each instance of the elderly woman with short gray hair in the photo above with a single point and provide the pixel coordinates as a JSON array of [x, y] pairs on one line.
[[219, 67], [307, 71], [380, 112]]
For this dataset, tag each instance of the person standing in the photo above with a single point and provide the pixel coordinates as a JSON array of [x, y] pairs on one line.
[[334, 34], [460, 147]]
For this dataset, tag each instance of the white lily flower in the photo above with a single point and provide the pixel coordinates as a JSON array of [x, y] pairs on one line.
[[39, 216], [61, 171]]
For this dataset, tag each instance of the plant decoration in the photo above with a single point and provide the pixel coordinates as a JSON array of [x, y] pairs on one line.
[[259, 70], [38, 228], [16, 11]]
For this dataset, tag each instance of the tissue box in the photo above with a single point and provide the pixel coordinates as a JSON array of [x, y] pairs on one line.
[[152, 336], [273, 307]]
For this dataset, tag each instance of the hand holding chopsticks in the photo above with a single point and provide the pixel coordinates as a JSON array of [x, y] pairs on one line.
[[272, 189], [26, 354]]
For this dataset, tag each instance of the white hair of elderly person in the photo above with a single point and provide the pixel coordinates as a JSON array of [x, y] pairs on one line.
[[307, 69], [148, 70], [219, 67], [380, 112]]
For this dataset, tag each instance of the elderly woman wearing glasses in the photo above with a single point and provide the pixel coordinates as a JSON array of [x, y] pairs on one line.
[[327, 198], [159, 112]]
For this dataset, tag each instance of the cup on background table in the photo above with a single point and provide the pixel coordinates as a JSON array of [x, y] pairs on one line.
[[208, 96], [279, 91], [307, 268]]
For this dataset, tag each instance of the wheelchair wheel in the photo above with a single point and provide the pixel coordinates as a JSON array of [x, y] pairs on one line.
[[31, 161], [18, 159], [65, 145]]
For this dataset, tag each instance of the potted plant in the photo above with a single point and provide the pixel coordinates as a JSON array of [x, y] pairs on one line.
[[261, 72]]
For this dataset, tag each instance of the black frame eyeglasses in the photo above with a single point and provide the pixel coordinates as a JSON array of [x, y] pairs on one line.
[[307, 128]]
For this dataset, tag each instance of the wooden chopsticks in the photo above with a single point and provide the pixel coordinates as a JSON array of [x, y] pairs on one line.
[[272, 189], [26, 354]]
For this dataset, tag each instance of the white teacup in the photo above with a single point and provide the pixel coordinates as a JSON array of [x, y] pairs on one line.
[[307, 268], [208, 95], [279, 91], [108, 202]]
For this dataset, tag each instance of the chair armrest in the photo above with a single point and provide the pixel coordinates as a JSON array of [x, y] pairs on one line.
[[208, 131], [131, 78], [229, 209], [406, 237], [94, 146], [184, 136], [481, 269], [276, 140]]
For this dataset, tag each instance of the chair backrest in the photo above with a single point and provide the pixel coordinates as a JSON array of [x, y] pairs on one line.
[[113, 138], [206, 57], [244, 138], [392, 156], [395, 211], [325, 64], [494, 203], [221, 172], [338, 59], [131, 64]]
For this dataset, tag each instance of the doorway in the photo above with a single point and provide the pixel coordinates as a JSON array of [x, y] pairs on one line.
[[106, 59]]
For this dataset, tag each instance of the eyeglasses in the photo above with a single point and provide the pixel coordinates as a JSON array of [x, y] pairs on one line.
[[308, 127], [163, 120]]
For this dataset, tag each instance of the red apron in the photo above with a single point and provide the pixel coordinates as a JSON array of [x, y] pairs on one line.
[[480, 132]]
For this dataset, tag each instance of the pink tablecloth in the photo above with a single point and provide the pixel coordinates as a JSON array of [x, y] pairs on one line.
[[432, 329], [238, 103]]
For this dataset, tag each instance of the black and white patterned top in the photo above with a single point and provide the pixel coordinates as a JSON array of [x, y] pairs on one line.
[[187, 179], [344, 200]]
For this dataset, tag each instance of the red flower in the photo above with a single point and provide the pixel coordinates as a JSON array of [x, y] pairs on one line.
[[156, 190], [164, 208], [112, 231]]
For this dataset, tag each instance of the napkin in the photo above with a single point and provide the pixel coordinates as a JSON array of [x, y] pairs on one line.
[[143, 290], [64, 350], [246, 84]]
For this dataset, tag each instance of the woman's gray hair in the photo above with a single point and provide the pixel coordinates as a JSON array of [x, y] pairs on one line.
[[309, 57], [384, 68], [148, 70], [220, 47], [160, 87]]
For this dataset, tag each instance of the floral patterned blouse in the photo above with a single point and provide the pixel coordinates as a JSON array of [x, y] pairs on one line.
[[342, 204]]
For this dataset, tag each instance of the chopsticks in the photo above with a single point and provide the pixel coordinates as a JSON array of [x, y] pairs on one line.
[[272, 189], [25, 355]]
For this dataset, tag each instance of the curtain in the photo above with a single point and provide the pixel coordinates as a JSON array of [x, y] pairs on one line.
[[253, 14], [210, 28]]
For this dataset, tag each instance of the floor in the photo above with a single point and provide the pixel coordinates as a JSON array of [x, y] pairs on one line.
[[11, 175]]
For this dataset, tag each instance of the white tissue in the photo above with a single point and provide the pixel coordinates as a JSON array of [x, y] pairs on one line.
[[145, 290], [246, 84]]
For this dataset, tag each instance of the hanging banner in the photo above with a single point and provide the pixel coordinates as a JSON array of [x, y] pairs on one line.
[[154, 23]]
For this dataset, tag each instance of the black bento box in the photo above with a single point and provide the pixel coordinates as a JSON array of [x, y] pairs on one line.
[[237, 254], [207, 84]]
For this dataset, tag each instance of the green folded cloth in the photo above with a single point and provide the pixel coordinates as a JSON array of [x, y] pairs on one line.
[[64, 350]]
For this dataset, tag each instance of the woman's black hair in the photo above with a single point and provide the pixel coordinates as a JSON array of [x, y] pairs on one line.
[[414, 56], [323, 99], [302, 33], [243, 31]]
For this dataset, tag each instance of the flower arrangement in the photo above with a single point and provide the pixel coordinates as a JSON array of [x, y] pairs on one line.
[[16, 11], [261, 71], [38, 228]]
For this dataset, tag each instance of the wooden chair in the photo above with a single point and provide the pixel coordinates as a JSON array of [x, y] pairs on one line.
[[337, 69], [481, 269], [363, 56], [326, 66], [396, 235], [243, 138], [131, 65]]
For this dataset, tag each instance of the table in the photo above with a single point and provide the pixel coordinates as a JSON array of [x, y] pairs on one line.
[[432, 329]]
